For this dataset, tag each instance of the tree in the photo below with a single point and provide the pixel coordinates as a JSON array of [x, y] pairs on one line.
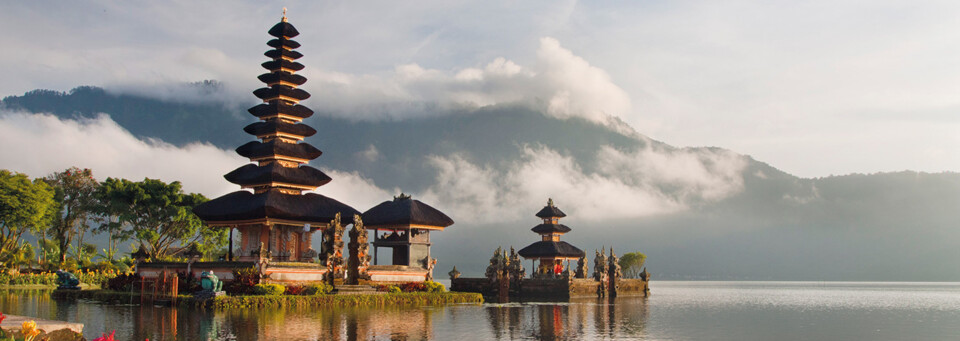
[[108, 216], [74, 195], [159, 215], [632, 264], [25, 206]]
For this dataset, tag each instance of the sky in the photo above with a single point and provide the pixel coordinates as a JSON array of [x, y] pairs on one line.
[[814, 88]]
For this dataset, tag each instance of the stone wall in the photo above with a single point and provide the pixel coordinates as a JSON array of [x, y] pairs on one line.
[[558, 288]]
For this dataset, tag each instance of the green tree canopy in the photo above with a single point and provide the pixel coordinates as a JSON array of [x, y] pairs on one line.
[[159, 215], [74, 189], [632, 264], [25, 206]]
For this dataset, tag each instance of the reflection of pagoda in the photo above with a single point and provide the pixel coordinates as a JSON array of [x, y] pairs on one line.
[[405, 224], [276, 220], [550, 251]]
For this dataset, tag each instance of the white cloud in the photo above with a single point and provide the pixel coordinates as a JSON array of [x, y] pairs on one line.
[[626, 185], [45, 144], [559, 83]]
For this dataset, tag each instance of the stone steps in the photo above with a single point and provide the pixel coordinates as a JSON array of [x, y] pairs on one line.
[[356, 290]]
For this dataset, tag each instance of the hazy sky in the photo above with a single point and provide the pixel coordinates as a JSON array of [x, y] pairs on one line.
[[814, 88]]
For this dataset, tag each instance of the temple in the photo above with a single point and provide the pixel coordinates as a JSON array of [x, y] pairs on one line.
[[403, 226], [550, 251], [275, 218]]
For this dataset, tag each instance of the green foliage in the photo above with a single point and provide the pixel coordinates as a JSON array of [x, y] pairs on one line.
[[317, 289], [435, 286], [122, 282], [91, 277], [159, 215], [244, 279], [25, 206], [393, 289], [632, 264], [397, 299], [74, 195], [268, 289]]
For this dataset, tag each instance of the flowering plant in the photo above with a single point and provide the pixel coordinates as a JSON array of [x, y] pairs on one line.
[[106, 337]]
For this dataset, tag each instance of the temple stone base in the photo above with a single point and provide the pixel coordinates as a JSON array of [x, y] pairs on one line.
[[548, 289], [396, 274]]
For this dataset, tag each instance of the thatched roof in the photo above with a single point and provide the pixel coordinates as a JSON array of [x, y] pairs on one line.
[[403, 210], [292, 78], [243, 205], [257, 149], [275, 65], [280, 107], [550, 249], [251, 174], [283, 29], [550, 211], [548, 228], [280, 43]]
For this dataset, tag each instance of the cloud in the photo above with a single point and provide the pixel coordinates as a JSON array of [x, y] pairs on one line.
[[40, 144], [645, 182], [558, 83]]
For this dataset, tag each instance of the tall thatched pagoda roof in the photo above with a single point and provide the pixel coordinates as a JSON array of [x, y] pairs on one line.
[[278, 173]]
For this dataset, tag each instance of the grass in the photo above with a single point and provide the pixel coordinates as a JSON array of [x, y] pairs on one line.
[[283, 301]]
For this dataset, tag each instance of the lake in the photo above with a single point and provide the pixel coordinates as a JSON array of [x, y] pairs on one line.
[[675, 311]]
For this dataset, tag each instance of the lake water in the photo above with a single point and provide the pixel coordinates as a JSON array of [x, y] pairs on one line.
[[675, 311]]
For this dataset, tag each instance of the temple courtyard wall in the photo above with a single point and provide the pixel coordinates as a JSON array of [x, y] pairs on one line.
[[547, 288]]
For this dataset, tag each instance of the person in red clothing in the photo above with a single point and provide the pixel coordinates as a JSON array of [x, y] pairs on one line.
[[558, 269]]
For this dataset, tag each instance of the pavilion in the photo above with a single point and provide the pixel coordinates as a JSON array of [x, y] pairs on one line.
[[550, 251], [403, 225]]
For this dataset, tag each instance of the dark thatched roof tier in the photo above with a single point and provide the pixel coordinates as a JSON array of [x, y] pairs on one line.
[[283, 29], [280, 107], [256, 150], [546, 249], [275, 65], [550, 228], [272, 204], [273, 77], [251, 174], [274, 126], [280, 43], [281, 90], [277, 53], [405, 211], [550, 211]]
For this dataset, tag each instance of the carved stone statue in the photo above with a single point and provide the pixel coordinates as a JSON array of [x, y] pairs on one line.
[[209, 281], [358, 262], [600, 273], [66, 280], [431, 263], [582, 267], [493, 270], [614, 273], [454, 274], [333, 249], [515, 266]]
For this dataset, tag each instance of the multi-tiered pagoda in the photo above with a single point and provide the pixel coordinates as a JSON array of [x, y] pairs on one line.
[[274, 216], [550, 251]]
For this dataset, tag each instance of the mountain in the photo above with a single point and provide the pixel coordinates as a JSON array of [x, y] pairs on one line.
[[698, 213]]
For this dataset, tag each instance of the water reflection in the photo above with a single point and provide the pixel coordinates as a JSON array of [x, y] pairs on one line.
[[577, 320]]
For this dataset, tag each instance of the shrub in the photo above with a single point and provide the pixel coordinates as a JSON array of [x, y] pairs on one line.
[[413, 287], [393, 289], [268, 289], [122, 282], [317, 289], [244, 280], [295, 289], [434, 286]]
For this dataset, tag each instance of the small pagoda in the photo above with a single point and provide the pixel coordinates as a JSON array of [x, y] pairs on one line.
[[275, 218], [403, 225], [550, 251]]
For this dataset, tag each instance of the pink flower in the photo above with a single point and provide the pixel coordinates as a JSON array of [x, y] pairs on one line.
[[106, 337]]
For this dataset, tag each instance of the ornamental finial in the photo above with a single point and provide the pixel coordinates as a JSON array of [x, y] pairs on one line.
[[284, 19], [550, 202]]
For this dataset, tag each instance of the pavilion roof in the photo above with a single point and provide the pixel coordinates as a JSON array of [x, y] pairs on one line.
[[546, 249], [550, 211], [251, 174], [548, 228], [405, 211]]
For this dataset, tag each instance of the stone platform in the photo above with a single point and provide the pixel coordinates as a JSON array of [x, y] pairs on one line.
[[55, 330], [356, 290]]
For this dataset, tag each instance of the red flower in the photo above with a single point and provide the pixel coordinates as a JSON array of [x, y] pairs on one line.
[[106, 337], [2, 316]]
